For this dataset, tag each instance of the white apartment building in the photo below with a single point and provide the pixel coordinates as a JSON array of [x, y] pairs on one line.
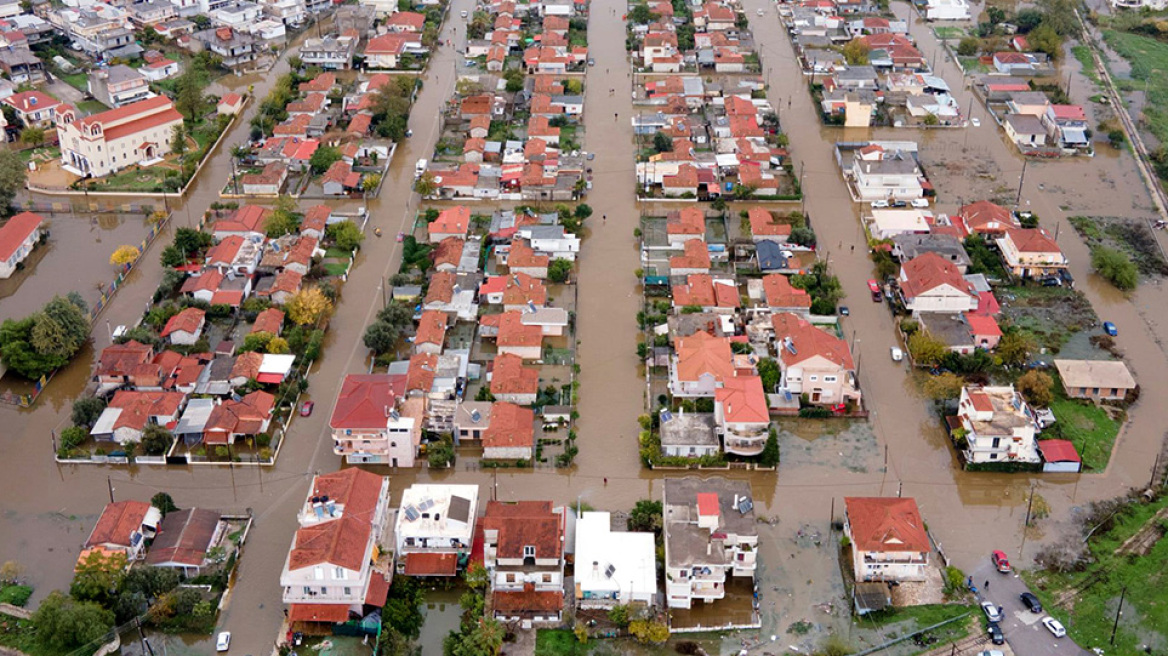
[[435, 529], [998, 425]]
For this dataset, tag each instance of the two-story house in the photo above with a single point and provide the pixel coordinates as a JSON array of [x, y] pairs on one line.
[[997, 425], [742, 415], [119, 85], [373, 422], [878, 175], [338, 564], [710, 534], [702, 363], [613, 567], [237, 49], [523, 552], [435, 529], [931, 283], [1031, 253], [814, 362], [888, 539], [140, 133]]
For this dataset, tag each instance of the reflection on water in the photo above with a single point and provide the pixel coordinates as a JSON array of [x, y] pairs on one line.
[[442, 616]]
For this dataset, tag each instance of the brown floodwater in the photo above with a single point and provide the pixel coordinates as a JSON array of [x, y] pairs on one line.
[[47, 509]]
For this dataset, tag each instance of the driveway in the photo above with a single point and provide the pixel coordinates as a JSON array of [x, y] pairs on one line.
[[1023, 629]]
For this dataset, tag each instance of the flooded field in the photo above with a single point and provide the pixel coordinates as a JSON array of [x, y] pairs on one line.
[[821, 463]]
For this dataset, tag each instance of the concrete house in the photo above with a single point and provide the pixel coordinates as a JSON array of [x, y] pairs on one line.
[[129, 413], [511, 435], [689, 434], [184, 538], [339, 562], [185, 327], [100, 144], [710, 535], [372, 422], [1098, 380], [701, 365], [523, 552], [998, 425], [613, 567], [742, 415], [119, 85], [435, 529], [814, 362], [888, 539], [886, 176], [1031, 253], [123, 527], [510, 381]]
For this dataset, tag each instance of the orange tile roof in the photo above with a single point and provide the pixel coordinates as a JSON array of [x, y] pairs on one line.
[[522, 289], [701, 354], [780, 293], [431, 328], [928, 271], [448, 252], [453, 221], [985, 217], [509, 376], [702, 290], [441, 289], [511, 426], [420, 376], [15, 231], [363, 401], [118, 520], [809, 341], [696, 256], [763, 224], [689, 221], [522, 256], [332, 613], [189, 320], [513, 332], [421, 563], [743, 400], [341, 542], [1033, 240], [269, 321], [886, 525]]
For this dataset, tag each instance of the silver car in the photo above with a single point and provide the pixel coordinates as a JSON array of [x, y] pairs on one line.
[[992, 611]]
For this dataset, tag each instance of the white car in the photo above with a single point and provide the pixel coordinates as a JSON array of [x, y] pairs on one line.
[[919, 202], [897, 354], [991, 610], [975, 122], [992, 652], [1054, 626], [223, 641], [879, 203], [760, 12], [464, 13]]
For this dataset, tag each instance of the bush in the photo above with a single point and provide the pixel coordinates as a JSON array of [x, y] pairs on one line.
[[969, 46], [73, 437], [17, 595], [1116, 267]]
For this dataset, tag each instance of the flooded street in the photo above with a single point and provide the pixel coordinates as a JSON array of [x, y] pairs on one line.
[[48, 509]]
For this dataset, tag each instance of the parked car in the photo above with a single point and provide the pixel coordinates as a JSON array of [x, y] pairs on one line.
[[879, 203], [401, 236], [464, 13], [877, 293], [920, 202], [760, 12], [306, 408], [897, 354], [844, 311], [591, 61], [995, 633], [1031, 602], [992, 612], [1110, 329], [223, 641], [975, 122], [1054, 626], [1001, 563], [992, 652]]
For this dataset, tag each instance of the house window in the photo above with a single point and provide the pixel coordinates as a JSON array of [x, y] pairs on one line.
[[510, 578], [307, 590], [318, 573], [529, 551], [814, 378], [340, 573], [829, 379], [348, 591], [547, 578]]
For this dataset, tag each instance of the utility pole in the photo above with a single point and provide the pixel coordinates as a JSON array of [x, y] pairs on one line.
[[831, 520], [1118, 612], [1029, 506], [968, 116], [110, 484], [1151, 481], [1021, 181]]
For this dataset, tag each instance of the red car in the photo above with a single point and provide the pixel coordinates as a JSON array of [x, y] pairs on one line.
[[306, 408], [877, 294], [1001, 562]]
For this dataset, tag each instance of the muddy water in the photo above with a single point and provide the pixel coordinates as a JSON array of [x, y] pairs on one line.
[[47, 509]]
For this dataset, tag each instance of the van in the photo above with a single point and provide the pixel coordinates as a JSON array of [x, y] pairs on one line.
[[419, 168], [464, 13]]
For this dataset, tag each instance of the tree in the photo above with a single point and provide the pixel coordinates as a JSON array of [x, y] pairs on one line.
[[1014, 347], [646, 516], [381, 337], [484, 639], [802, 236], [59, 329], [323, 158], [164, 503], [1116, 267], [18, 353], [124, 255], [514, 79], [649, 631], [944, 387], [278, 346], [403, 610], [426, 185], [440, 454], [559, 270], [370, 182], [295, 63], [178, 140], [62, 624], [931, 119], [641, 14], [926, 349], [770, 452], [98, 576], [856, 52], [1037, 387], [156, 440], [73, 437], [768, 371], [189, 99], [256, 342], [13, 172], [995, 14], [345, 234], [284, 219], [619, 615], [662, 143], [1045, 38], [1027, 19], [86, 410], [32, 136], [1059, 15], [308, 306], [476, 577]]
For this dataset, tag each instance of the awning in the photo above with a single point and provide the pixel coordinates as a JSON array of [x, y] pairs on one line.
[[271, 379], [378, 590], [334, 613], [431, 564]]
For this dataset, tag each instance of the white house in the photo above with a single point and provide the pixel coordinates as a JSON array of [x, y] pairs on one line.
[[435, 528], [185, 327], [947, 10], [883, 176], [613, 567], [710, 534], [372, 422], [888, 539], [124, 526], [18, 236], [997, 426], [931, 283], [338, 563]]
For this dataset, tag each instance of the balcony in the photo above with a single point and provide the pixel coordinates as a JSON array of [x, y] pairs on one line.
[[708, 591], [745, 447]]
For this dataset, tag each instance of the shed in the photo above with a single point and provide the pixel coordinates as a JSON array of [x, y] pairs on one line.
[[1059, 456]]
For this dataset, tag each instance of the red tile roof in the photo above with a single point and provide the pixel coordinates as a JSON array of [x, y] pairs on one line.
[[184, 537], [249, 218], [511, 426], [365, 400], [702, 290], [780, 294], [929, 271], [696, 256], [509, 376], [378, 590], [420, 375], [743, 400], [1058, 451], [809, 341], [1033, 240], [30, 101], [702, 353], [392, 43], [886, 525], [356, 491], [189, 320], [441, 289], [983, 325], [15, 231], [510, 603], [408, 19], [333, 613], [122, 359], [117, 522], [707, 504], [269, 321], [340, 542], [521, 256], [431, 564], [985, 217], [448, 252], [431, 328], [513, 332], [521, 289], [243, 417], [453, 221], [763, 224], [689, 221]]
